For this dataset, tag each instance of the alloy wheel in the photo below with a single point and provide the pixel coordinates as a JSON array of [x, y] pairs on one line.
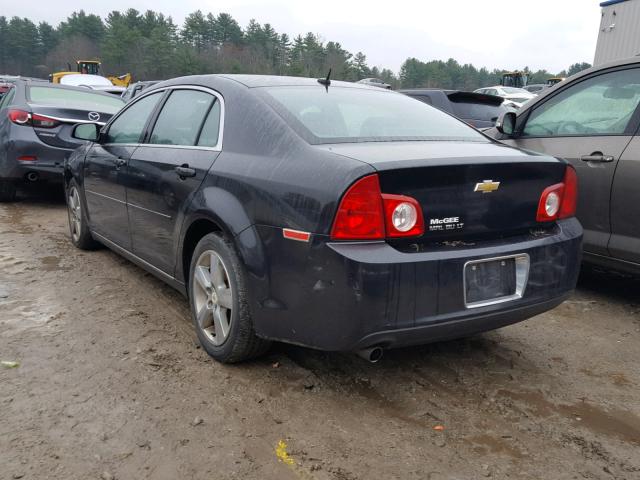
[[212, 296], [75, 213]]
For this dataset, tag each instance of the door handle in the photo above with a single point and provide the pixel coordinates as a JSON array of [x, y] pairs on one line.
[[185, 171], [597, 157], [119, 162]]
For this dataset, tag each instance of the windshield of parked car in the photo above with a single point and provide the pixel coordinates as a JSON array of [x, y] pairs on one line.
[[344, 114], [61, 97]]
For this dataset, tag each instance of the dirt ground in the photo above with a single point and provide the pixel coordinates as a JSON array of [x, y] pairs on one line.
[[112, 385]]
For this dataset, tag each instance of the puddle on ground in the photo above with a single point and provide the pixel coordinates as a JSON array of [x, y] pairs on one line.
[[13, 216], [51, 263], [612, 422], [619, 379], [487, 444]]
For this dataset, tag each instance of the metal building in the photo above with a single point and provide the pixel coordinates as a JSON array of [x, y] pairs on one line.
[[619, 35]]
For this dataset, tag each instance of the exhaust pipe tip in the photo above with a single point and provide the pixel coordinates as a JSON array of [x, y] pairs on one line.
[[371, 355], [32, 176]]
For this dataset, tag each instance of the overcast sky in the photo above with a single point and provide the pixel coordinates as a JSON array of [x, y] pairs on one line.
[[549, 34]]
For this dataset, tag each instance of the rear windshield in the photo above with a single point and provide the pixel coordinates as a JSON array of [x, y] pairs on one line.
[[61, 97], [477, 111], [344, 114]]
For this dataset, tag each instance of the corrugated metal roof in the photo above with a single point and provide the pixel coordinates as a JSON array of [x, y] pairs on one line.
[[612, 2]]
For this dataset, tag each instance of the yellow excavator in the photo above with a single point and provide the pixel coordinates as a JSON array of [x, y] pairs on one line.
[[91, 67]]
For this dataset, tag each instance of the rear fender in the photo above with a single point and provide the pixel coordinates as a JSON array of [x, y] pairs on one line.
[[224, 210]]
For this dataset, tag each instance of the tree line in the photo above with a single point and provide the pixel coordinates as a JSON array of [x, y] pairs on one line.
[[151, 46]]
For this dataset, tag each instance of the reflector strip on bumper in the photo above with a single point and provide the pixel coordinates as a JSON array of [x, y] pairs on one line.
[[296, 235]]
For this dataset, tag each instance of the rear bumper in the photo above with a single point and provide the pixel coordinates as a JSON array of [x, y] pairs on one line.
[[48, 165], [346, 296]]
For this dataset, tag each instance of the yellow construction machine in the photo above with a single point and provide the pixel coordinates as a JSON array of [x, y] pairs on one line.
[[91, 67], [514, 79]]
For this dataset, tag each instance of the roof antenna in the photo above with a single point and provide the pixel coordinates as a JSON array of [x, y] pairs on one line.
[[325, 81]]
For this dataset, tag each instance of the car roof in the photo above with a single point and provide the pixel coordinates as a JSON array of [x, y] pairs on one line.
[[253, 81]]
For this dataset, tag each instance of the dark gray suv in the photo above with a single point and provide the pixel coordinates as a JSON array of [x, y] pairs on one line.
[[592, 120]]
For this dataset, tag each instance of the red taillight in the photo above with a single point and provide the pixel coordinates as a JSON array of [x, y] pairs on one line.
[[27, 158], [403, 216], [19, 117], [570, 198], [41, 121], [365, 213], [360, 215], [559, 200]]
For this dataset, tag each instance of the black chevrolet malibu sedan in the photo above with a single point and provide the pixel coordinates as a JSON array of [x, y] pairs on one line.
[[326, 214]]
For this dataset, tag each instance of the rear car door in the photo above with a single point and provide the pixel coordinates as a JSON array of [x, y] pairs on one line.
[[105, 168], [166, 170], [589, 123]]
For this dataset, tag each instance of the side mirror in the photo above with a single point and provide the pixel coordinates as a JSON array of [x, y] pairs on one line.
[[506, 123], [86, 131]]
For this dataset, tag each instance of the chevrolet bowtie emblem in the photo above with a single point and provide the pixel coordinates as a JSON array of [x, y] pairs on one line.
[[487, 186]]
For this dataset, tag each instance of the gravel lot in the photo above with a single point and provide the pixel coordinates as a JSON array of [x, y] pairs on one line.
[[111, 385]]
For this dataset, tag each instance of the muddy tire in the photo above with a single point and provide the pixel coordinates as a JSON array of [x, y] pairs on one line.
[[7, 191], [78, 225], [219, 304]]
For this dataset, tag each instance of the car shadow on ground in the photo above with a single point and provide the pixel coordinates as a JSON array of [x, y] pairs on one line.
[[40, 194], [609, 285]]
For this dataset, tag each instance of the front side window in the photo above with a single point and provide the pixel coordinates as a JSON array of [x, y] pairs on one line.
[[128, 127], [181, 118], [343, 114], [601, 105]]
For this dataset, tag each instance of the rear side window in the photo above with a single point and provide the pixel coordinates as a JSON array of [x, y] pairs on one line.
[[343, 114], [211, 128], [81, 100], [128, 127], [181, 118]]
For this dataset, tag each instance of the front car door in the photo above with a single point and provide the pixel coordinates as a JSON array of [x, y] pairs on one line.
[[590, 122], [168, 168], [105, 169], [625, 206]]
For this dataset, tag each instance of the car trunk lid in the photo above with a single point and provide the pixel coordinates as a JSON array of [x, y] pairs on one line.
[[467, 190], [60, 135]]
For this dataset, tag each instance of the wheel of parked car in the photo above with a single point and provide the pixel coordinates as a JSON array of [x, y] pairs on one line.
[[7, 191], [78, 226], [219, 302]]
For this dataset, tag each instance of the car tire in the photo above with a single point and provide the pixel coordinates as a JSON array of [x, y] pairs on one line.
[[219, 302], [78, 224], [7, 191]]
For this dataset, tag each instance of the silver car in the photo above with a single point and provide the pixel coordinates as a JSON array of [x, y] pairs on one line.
[[592, 120]]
